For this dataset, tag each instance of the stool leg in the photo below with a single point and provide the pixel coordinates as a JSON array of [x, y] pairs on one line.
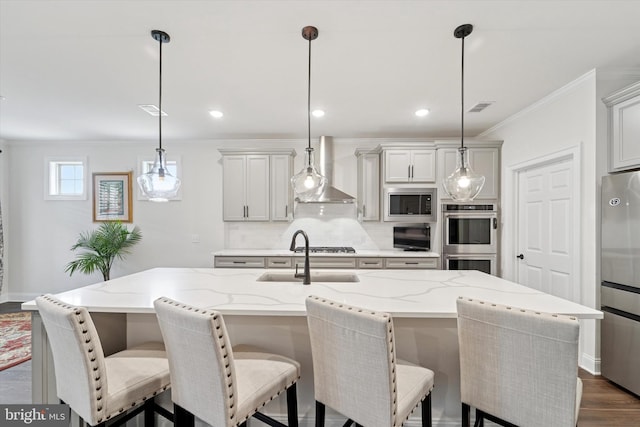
[[292, 406], [149, 414], [466, 415], [182, 417], [319, 414], [426, 411]]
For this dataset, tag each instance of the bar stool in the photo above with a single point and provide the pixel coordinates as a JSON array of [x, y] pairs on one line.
[[96, 387], [518, 367], [355, 368], [220, 386]]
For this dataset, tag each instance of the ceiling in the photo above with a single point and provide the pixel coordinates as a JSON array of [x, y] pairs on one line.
[[77, 70]]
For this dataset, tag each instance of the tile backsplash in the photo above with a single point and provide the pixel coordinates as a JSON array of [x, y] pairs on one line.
[[326, 225]]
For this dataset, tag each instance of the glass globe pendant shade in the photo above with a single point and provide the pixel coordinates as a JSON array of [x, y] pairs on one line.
[[308, 184], [158, 184], [463, 184]]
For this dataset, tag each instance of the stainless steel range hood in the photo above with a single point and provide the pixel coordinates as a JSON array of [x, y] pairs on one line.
[[325, 166]]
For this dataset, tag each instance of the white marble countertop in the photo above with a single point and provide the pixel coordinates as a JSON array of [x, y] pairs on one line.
[[403, 293], [389, 253]]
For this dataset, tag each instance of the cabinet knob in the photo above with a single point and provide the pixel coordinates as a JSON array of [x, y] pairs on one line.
[[521, 256]]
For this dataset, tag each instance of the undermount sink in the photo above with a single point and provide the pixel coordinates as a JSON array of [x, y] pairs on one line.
[[316, 277]]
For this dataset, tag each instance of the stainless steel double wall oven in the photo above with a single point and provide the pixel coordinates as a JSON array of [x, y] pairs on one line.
[[470, 237]]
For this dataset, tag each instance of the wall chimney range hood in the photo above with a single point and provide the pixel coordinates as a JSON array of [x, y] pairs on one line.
[[330, 193]]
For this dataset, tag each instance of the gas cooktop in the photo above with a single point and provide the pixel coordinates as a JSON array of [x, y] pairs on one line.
[[327, 249]]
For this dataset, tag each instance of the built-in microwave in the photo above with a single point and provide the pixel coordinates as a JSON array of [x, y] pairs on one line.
[[410, 204]]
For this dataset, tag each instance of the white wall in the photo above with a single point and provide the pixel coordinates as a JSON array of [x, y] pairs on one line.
[[40, 232], [572, 116]]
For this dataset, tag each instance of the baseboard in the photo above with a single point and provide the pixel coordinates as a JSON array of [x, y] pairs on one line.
[[590, 364], [21, 296]]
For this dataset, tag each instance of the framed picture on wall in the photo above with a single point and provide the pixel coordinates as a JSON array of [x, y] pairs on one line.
[[112, 197]]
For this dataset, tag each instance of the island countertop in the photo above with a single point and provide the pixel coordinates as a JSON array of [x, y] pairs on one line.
[[403, 293]]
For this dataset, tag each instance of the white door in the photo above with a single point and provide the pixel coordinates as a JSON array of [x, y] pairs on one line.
[[546, 224]]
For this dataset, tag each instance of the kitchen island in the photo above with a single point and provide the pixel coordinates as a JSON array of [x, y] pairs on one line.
[[271, 314]]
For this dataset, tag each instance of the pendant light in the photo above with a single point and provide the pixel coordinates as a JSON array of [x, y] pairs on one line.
[[308, 184], [158, 184], [463, 184]]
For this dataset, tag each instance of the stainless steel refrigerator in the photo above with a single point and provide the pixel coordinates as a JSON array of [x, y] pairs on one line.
[[620, 287]]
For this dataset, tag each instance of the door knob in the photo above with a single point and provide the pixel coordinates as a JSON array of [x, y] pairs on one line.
[[521, 256]]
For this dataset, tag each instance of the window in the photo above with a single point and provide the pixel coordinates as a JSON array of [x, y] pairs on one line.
[[173, 166], [66, 179]]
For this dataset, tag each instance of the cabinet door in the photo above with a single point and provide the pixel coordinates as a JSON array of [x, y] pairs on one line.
[[625, 134], [257, 188], [397, 165], [280, 187], [423, 166], [233, 188], [484, 161], [369, 187]]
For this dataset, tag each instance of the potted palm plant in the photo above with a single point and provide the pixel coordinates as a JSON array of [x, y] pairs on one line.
[[102, 246]]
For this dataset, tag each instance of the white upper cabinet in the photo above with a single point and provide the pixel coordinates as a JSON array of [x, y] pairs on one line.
[[281, 194], [256, 185], [410, 165], [624, 128], [246, 187], [368, 199], [484, 161]]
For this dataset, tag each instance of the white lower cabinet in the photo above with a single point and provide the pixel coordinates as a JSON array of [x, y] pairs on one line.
[[337, 262], [367, 263], [326, 262], [411, 263], [239, 262]]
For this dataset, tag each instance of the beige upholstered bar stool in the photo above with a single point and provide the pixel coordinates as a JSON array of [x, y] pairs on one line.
[[355, 369], [96, 387], [221, 386], [518, 367]]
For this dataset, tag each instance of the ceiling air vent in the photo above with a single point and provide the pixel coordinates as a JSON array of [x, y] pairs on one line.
[[480, 106]]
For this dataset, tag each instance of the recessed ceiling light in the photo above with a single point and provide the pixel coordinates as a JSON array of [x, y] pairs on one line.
[[215, 113], [422, 112], [151, 109], [317, 113]]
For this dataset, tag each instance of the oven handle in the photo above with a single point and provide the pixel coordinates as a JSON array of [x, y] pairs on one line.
[[495, 223]]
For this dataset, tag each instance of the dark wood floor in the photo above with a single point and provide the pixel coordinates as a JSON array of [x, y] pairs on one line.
[[603, 403], [10, 307]]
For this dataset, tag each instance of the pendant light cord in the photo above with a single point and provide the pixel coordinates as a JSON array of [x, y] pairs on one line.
[[160, 99], [462, 99], [309, 104]]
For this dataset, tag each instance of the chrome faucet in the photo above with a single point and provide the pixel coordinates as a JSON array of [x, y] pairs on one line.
[[307, 273]]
